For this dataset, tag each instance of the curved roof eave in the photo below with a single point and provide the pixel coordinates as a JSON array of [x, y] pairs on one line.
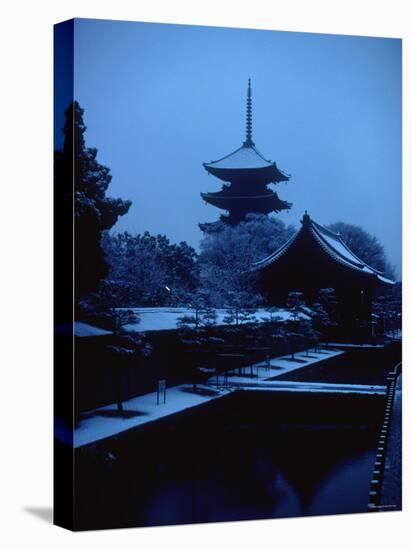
[[355, 264], [244, 158], [275, 255], [346, 254]]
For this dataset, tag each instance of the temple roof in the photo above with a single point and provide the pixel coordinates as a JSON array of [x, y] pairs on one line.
[[246, 161], [259, 202], [331, 245], [244, 158]]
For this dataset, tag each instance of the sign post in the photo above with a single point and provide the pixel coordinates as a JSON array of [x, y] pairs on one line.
[[161, 391]]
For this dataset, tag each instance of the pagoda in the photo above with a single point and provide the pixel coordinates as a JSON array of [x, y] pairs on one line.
[[246, 174], [315, 258]]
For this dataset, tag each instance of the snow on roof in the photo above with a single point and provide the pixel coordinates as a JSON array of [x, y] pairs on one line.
[[332, 244], [334, 241], [277, 254], [242, 159], [386, 280]]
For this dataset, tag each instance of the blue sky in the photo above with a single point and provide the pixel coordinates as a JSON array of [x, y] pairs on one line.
[[161, 99]]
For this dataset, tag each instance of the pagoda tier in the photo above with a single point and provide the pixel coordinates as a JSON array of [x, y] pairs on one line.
[[248, 173], [246, 164], [316, 258], [263, 203]]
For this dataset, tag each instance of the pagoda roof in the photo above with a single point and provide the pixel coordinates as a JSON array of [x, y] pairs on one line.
[[330, 244], [245, 158], [258, 202], [246, 161]]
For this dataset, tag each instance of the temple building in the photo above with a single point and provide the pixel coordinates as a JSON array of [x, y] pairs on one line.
[[246, 174], [316, 258]]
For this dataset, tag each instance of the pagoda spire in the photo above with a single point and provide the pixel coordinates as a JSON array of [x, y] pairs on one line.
[[246, 174], [249, 141]]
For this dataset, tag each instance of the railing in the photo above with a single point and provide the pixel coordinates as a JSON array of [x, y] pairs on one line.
[[379, 465]]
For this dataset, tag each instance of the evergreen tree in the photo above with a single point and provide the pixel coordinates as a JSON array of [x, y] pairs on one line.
[[82, 182], [299, 329], [228, 253], [295, 304], [202, 315], [387, 309], [150, 271], [325, 312], [241, 307]]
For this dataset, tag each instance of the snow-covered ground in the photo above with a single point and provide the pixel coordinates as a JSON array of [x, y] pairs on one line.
[[315, 387], [394, 335], [166, 318], [83, 330], [106, 421], [360, 346], [279, 366]]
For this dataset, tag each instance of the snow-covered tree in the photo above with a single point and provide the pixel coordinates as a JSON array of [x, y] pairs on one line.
[[202, 315], [103, 307], [387, 309], [300, 328], [325, 312], [150, 270], [295, 303], [366, 246], [228, 253], [241, 307]]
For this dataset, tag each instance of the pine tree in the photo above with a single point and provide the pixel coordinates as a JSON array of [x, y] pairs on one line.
[[82, 182]]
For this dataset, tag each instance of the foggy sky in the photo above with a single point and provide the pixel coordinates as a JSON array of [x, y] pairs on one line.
[[161, 99]]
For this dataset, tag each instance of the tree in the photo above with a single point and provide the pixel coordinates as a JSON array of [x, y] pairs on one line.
[[128, 349], [203, 315], [121, 357], [149, 270], [197, 327], [228, 253], [295, 303], [81, 180], [240, 307], [103, 306], [365, 246], [387, 309], [325, 312], [278, 334], [302, 326]]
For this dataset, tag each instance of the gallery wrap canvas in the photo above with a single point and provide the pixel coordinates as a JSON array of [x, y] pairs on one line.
[[228, 274]]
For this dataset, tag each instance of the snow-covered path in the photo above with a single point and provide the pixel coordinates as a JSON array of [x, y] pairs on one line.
[[106, 422], [278, 366], [339, 345], [317, 387]]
